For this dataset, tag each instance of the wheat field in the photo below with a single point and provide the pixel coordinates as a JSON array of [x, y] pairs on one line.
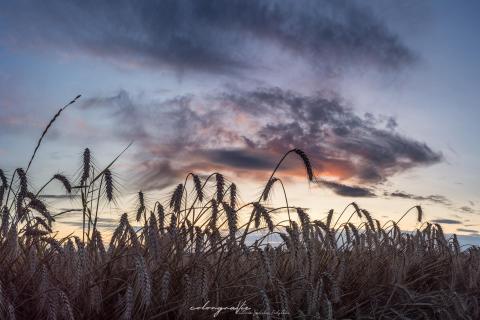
[[193, 257]]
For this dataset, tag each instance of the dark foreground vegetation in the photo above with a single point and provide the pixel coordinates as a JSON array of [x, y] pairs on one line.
[[195, 251]]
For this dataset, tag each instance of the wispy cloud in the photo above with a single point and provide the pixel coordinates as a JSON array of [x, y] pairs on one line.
[[348, 191], [447, 221], [467, 209], [106, 223], [435, 198], [473, 231], [221, 36], [59, 196]]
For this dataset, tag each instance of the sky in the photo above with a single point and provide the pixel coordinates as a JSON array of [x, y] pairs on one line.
[[381, 95]]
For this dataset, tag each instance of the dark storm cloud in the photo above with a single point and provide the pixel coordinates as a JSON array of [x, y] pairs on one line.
[[248, 132], [367, 148], [348, 191], [240, 158], [447, 221], [212, 36], [432, 198]]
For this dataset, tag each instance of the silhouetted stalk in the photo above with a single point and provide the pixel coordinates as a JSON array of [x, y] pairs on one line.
[[48, 127]]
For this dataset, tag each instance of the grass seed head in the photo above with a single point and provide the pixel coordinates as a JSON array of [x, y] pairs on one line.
[[198, 187], [306, 163], [220, 184], [86, 166], [66, 184], [108, 184]]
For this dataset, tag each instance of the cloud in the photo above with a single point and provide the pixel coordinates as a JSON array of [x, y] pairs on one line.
[[240, 158], [467, 230], [348, 191], [59, 196], [247, 132], [228, 36], [447, 221], [124, 110], [432, 198], [106, 223], [157, 174], [341, 143], [467, 209]]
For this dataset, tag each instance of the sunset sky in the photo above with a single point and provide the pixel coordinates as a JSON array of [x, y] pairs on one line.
[[383, 97]]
